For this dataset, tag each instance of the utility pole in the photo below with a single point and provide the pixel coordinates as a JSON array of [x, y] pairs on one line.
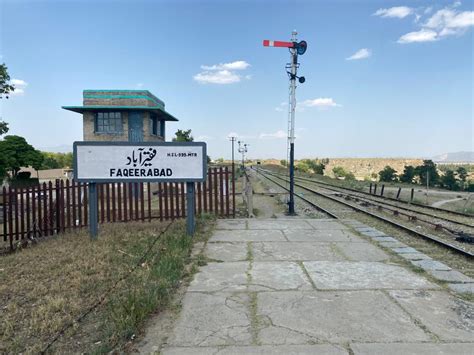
[[232, 139], [295, 49], [427, 184]]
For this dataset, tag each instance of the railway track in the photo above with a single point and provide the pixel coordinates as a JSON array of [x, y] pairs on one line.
[[394, 208], [428, 237], [386, 198]]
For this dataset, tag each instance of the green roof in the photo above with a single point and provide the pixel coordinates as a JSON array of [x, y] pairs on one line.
[[155, 109]]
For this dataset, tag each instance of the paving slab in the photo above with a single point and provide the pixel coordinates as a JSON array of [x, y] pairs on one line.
[[413, 349], [325, 224], [370, 232], [449, 317], [282, 275], [450, 276], [226, 251], [231, 224], [362, 252], [213, 319], [415, 256], [277, 223], [248, 236], [384, 239], [392, 245], [325, 235], [348, 275], [294, 251], [320, 349], [405, 250], [220, 277], [336, 317], [462, 288], [430, 265]]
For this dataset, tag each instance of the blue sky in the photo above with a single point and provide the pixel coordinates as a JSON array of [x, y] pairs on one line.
[[383, 78]]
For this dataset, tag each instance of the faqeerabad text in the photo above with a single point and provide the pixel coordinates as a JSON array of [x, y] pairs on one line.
[[140, 172]]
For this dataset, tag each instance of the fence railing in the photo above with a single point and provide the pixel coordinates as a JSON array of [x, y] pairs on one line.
[[60, 206]]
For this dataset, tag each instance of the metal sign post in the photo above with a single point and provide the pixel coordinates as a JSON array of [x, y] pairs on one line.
[[97, 162], [295, 49]]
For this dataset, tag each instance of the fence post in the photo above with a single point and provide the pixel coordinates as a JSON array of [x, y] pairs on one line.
[[381, 191], [398, 193], [375, 189], [10, 216], [4, 210], [190, 227], [370, 188], [412, 195], [93, 213], [58, 205]]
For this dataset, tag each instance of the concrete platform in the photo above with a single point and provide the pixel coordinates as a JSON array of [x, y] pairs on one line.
[[413, 349], [335, 317], [320, 349], [363, 275], [325, 235], [304, 286]]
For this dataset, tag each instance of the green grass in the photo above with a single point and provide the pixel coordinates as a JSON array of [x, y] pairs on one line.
[[49, 286]]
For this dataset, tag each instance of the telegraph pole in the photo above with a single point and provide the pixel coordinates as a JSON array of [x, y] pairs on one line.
[[295, 49]]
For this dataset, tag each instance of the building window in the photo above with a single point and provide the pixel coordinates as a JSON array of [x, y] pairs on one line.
[[108, 122], [155, 126]]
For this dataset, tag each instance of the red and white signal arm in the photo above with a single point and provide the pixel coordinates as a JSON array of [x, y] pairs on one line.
[[268, 43]]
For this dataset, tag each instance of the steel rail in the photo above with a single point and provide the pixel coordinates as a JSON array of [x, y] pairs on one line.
[[319, 208], [441, 210], [339, 188], [430, 238]]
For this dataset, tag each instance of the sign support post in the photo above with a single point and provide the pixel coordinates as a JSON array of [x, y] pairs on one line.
[[93, 212], [190, 201]]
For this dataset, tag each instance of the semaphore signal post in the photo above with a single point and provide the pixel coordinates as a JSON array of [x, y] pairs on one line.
[[296, 48]]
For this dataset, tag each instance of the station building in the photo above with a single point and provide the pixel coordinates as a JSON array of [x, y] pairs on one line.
[[122, 115]]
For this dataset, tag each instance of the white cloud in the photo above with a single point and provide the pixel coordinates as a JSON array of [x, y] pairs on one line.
[[19, 85], [394, 12], [277, 135], [223, 73], [445, 22], [321, 102], [217, 77], [450, 19], [237, 65], [360, 54], [418, 36]]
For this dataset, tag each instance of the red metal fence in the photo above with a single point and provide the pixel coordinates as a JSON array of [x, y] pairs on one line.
[[57, 207]]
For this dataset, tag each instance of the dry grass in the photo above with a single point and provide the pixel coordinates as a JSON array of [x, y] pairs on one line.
[[46, 287]]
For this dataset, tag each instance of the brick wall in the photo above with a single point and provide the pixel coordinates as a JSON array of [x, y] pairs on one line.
[[90, 135]]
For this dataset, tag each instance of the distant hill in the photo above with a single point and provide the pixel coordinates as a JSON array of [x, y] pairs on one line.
[[456, 157]]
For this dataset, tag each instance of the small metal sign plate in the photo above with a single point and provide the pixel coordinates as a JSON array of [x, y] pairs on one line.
[[140, 162]]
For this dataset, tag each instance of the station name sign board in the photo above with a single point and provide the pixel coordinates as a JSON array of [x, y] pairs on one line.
[[140, 161]]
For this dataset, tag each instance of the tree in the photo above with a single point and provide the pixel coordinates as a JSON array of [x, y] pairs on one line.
[[339, 172], [16, 153], [462, 175], [56, 160], [408, 174], [388, 174], [183, 136], [427, 171], [5, 87], [3, 128], [283, 162], [448, 180]]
